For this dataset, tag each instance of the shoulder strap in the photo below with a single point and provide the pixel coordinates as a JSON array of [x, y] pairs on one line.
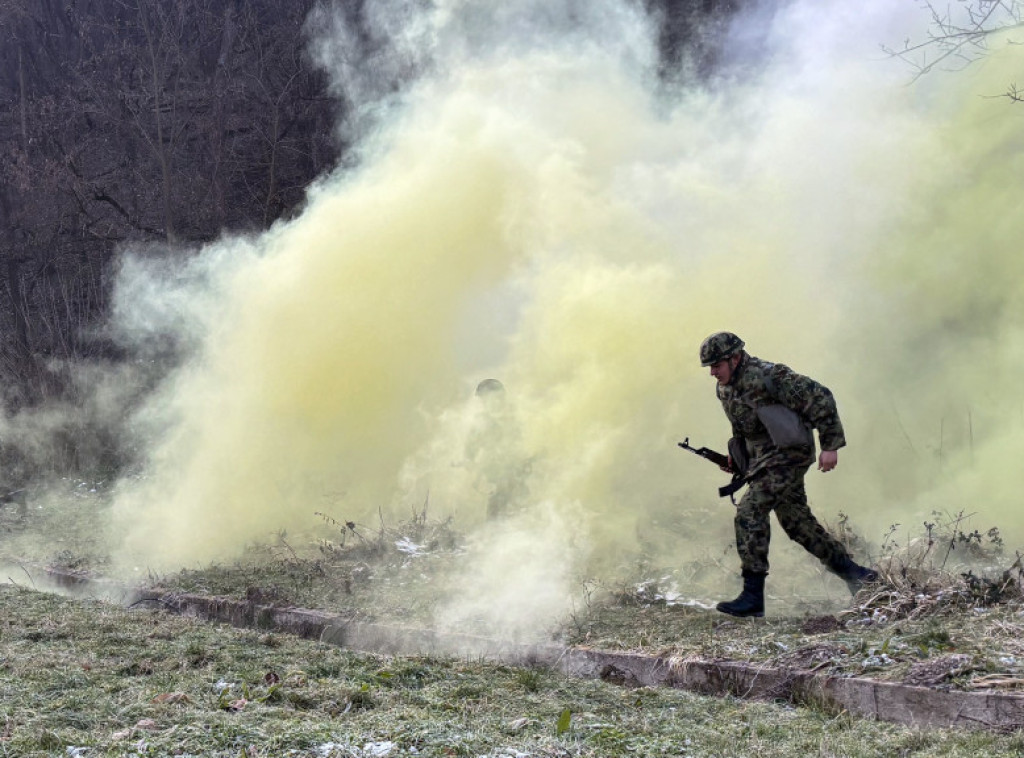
[[769, 383], [766, 376]]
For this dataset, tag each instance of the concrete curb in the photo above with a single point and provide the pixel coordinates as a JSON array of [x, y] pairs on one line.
[[885, 701]]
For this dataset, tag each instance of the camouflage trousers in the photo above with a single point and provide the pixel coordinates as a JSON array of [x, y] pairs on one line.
[[781, 489]]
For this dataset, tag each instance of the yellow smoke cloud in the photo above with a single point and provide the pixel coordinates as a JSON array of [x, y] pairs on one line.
[[537, 215], [313, 375]]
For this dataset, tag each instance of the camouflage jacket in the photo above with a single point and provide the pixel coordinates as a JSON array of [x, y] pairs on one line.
[[749, 389]]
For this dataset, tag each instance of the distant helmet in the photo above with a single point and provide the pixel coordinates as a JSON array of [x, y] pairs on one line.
[[718, 347], [487, 386]]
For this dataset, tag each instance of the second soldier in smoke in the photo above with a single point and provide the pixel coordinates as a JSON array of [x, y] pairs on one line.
[[494, 449], [772, 410]]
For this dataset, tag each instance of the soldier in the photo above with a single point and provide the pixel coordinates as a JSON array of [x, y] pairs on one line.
[[495, 450], [772, 410]]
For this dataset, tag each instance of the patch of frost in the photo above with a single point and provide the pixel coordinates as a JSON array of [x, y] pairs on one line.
[[409, 547]]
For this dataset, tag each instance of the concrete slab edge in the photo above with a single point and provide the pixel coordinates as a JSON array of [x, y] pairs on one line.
[[867, 698], [885, 701]]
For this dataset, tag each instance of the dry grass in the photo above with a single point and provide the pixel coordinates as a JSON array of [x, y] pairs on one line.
[[89, 678], [946, 614]]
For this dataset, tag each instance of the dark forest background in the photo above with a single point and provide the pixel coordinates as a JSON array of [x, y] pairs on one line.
[[164, 123]]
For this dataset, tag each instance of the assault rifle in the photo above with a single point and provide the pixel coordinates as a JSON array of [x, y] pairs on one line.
[[722, 461]]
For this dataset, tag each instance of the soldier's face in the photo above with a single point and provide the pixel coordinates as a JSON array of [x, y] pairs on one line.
[[722, 371]]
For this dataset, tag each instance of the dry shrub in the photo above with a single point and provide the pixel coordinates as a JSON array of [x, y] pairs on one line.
[[948, 568]]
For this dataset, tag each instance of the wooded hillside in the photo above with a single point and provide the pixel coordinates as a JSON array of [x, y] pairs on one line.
[[127, 122], [163, 123]]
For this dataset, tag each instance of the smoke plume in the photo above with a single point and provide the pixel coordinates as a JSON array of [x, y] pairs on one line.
[[529, 201]]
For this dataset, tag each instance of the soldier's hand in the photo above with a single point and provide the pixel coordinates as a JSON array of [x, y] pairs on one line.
[[727, 469], [828, 460]]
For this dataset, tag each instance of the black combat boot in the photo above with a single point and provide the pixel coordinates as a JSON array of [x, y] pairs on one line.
[[751, 600], [855, 575]]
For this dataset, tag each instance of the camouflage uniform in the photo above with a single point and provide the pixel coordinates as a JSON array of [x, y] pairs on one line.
[[494, 449], [776, 476]]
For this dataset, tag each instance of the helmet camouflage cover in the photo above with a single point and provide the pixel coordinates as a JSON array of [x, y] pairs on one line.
[[487, 386], [718, 347]]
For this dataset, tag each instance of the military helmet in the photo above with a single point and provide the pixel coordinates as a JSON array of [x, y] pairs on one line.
[[718, 347], [487, 386]]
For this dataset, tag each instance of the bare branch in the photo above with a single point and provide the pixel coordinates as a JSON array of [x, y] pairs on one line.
[[960, 35]]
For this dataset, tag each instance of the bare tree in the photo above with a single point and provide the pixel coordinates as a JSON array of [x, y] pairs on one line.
[[962, 33], [138, 120]]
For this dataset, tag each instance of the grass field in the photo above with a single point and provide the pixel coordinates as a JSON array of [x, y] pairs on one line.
[[91, 678]]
